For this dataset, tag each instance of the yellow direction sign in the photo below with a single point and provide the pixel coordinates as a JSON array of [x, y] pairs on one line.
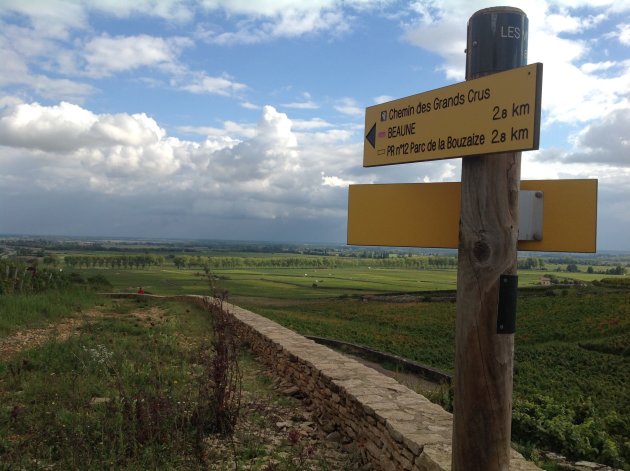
[[427, 215], [495, 113]]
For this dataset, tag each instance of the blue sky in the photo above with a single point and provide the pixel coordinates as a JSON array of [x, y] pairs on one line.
[[239, 119]]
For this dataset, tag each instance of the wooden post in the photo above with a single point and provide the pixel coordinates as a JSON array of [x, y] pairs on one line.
[[497, 40]]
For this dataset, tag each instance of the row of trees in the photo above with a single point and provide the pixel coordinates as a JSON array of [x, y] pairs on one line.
[[419, 263], [114, 261], [618, 270], [209, 262], [531, 263]]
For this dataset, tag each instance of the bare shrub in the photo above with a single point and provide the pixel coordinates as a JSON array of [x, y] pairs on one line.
[[220, 382]]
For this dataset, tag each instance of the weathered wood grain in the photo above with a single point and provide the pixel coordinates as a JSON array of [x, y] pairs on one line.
[[484, 359]]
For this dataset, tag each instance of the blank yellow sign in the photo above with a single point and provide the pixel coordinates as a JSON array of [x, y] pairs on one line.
[[427, 215]]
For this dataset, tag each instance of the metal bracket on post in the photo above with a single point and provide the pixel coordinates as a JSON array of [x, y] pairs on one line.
[[530, 215], [508, 294]]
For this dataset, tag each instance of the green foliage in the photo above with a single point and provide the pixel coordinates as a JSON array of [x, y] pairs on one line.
[[422, 332], [616, 282], [443, 396], [214, 262], [572, 268], [571, 345], [99, 281], [615, 345], [531, 263], [576, 431], [618, 270]]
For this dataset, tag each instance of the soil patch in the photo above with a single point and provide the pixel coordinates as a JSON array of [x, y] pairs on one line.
[[30, 338], [63, 330]]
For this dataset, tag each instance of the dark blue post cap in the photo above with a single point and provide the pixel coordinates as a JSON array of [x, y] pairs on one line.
[[497, 41]]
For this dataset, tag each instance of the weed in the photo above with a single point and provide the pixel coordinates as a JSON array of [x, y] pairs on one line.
[[443, 396], [219, 382]]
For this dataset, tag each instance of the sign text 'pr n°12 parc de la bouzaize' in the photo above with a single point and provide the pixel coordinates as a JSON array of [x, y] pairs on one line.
[[495, 113]]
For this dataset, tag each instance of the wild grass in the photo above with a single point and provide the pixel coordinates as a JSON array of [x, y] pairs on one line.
[[140, 388], [38, 309], [104, 397]]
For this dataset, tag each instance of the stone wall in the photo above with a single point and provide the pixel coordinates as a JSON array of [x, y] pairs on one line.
[[389, 424]]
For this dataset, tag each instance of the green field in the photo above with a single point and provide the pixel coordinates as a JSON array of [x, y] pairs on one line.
[[283, 283], [298, 283]]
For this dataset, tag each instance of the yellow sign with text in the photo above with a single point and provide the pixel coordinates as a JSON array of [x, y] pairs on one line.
[[495, 113], [427, 215]]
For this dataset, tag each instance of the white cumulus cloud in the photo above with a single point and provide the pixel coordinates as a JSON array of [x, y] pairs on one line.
[[67, 127], [106, 55], [350, 107], [203, 83], [270, 19], [624, 34], [264, 169]]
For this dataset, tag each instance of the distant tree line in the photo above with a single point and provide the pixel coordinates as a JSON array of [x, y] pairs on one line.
[[113, 261], [618, 270], [364, 258], [531, 263], [599, 260], [614, 282], [208, 263], [418, 263]]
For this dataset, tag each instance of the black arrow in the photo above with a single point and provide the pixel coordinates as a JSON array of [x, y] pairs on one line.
[[371, 136]]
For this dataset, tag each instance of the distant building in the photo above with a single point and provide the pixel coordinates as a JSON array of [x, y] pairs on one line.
[[545, 281]]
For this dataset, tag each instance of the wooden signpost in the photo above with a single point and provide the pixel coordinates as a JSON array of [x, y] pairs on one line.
[[485, 120]]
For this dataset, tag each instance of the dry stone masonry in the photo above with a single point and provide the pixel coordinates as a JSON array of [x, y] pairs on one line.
[[392, 427]]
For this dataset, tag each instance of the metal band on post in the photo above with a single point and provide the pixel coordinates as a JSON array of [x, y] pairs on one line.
[[496, 41]]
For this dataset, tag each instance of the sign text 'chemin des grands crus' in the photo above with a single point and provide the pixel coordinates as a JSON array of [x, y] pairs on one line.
[[495, 113]]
